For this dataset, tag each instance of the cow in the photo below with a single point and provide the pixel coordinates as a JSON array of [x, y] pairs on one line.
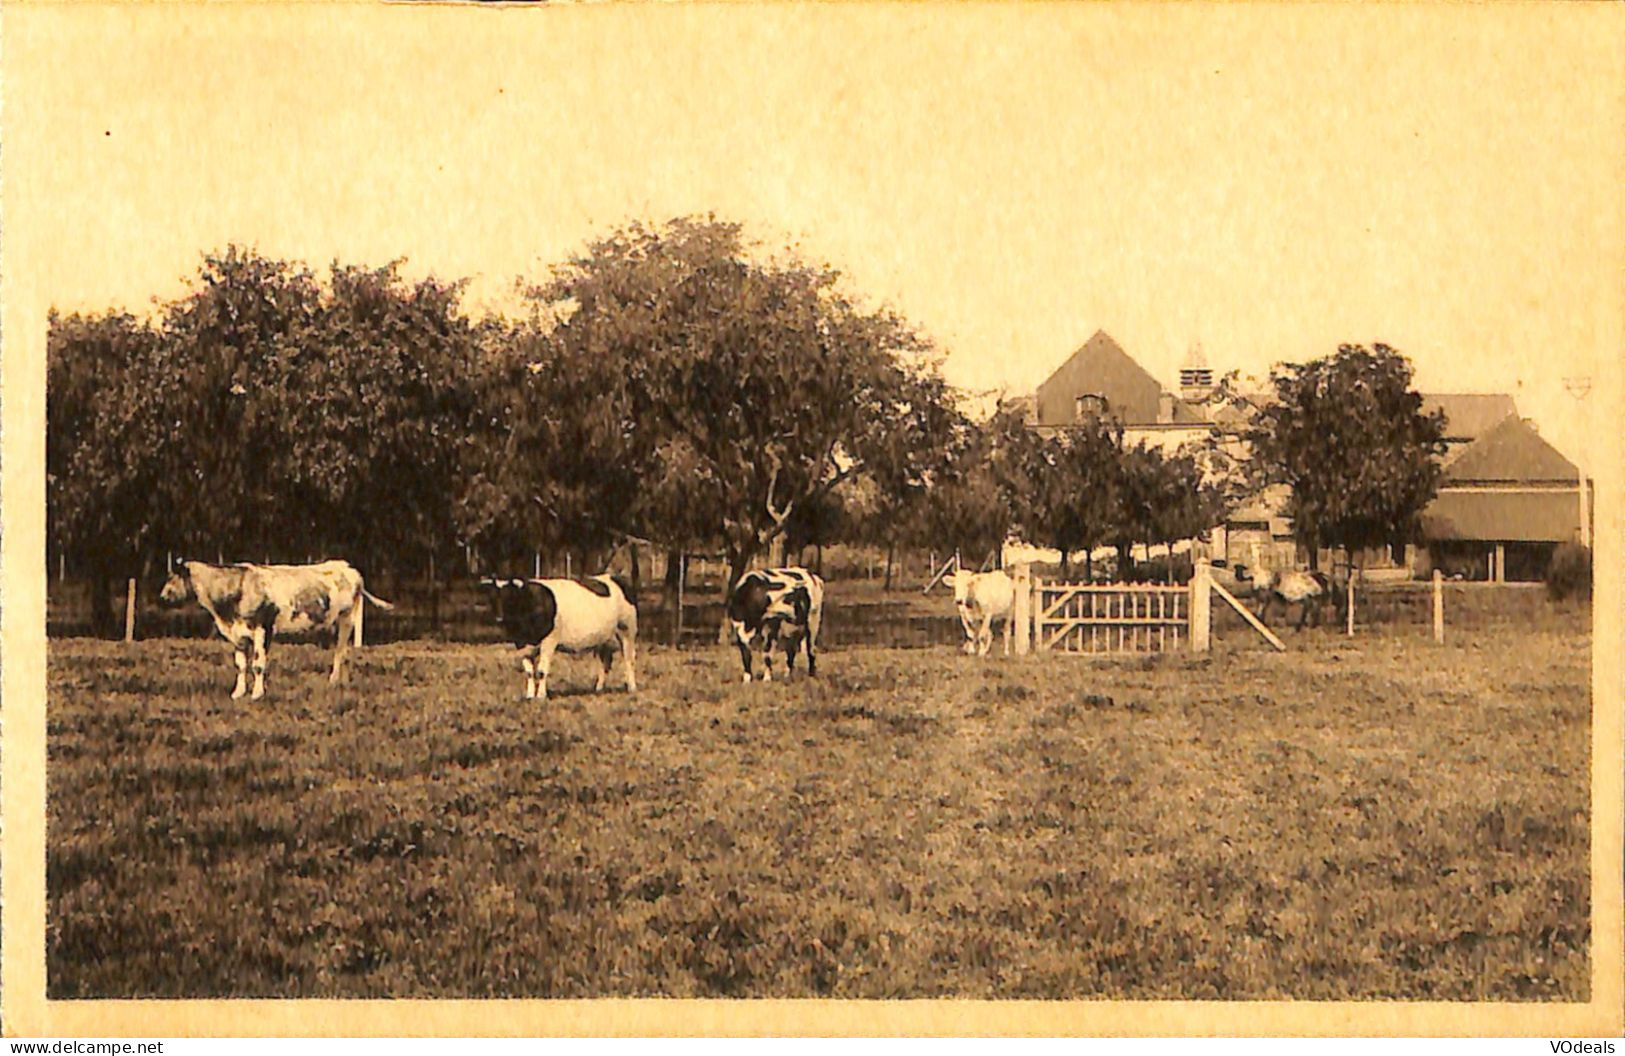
[[1308, 590], [768, 605], [981, 598], [598, 615], [251, 604]]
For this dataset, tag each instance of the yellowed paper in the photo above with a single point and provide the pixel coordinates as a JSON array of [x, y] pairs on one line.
[[1265, 180]]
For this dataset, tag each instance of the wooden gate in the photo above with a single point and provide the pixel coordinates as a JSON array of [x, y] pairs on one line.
[[1110, 618]]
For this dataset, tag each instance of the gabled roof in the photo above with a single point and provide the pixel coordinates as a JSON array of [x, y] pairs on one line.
[[1469, 415], [1101, 367], [1503, 517], [1510, 452]]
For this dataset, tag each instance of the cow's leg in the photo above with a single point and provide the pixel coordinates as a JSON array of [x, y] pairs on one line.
[[544, 663], [260, 636], [743, 642], [606, 658], [528, 662], [1007, 622], [242, 647], [346, 628], [770, 641], [969, 625], [629, 652], [814, 621], [984, 635], [792, 646]]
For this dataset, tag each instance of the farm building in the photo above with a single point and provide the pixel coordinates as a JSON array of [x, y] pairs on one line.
[[1101, 380], [1507, 499]]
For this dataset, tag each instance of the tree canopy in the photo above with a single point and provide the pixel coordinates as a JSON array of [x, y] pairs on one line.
[[1347, 433]]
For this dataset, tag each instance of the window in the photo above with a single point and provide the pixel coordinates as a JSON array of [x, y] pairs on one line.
[[1090, 405]]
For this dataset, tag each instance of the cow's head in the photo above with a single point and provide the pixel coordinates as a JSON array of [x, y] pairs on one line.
[[962, 580], [509, 599], [178, 588]]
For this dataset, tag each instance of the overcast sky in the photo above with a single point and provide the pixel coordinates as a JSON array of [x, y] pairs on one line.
[[1267, 181]]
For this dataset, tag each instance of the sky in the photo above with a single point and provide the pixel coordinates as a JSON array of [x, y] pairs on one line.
[[1268, 181]]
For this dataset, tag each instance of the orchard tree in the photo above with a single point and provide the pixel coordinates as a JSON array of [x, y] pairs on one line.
[[1347, 434], [1063, 488], [106, 482], [742, 388]]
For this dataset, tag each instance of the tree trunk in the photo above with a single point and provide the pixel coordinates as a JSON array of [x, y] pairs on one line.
[[674, 569], [891, 553], [636, 576], [101, 607], [1089, 565], [820, 553], [738, 561], [1066, 562]]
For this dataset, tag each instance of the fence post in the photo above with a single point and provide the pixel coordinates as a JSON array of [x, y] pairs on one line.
[[1438, 606], [677, 624], [129, 613], [1037, 604], [360, 614], [1201, 607], [1021, 576]]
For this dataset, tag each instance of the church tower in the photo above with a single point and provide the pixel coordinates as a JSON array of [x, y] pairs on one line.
[[1195, 377]]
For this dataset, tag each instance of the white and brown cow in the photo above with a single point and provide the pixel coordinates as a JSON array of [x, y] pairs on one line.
[[251, 604], [1310, 591], [542, 616], [982, 598], [773, 605]]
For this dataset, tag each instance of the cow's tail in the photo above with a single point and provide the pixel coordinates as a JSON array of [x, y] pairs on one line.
[[375, 599]]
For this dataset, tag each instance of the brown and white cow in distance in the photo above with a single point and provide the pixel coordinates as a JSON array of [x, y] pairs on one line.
[[251, 604], [773, 605], [543, 616]]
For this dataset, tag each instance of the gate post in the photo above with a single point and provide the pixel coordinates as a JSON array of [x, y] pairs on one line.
[[1037, 606], [1022, 614], [1201, 607]]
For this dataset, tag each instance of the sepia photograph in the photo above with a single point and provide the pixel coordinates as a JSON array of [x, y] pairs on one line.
[[1014, 507]]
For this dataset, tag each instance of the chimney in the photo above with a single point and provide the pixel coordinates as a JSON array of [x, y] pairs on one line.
[[1165, 407]]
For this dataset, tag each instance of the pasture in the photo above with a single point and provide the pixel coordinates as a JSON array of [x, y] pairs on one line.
[[1379, 817]]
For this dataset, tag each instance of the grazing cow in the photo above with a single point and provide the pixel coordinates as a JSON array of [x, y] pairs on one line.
[[778, 602], [251, 604], [983, 597], [1308, 590], [542, 616]]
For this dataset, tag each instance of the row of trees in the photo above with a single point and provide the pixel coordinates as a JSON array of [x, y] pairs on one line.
[[666, 387]]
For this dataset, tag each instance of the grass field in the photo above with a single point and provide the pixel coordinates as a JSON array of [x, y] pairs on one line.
[[1375, 818]]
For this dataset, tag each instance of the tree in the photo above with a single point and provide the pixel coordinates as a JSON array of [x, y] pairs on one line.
[[734, 390], [105, 480], [1347, 434], [1063, 489], [963, 507]]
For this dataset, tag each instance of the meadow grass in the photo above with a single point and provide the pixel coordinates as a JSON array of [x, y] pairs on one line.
[[1374, 818]]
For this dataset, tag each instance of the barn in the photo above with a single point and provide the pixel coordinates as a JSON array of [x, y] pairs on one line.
[[1507, 500]]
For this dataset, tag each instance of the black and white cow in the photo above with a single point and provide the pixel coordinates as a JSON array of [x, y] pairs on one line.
[[251, 604], [542, 616], [767, 606]]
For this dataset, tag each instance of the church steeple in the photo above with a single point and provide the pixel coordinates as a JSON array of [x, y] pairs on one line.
[[1195, 377]]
